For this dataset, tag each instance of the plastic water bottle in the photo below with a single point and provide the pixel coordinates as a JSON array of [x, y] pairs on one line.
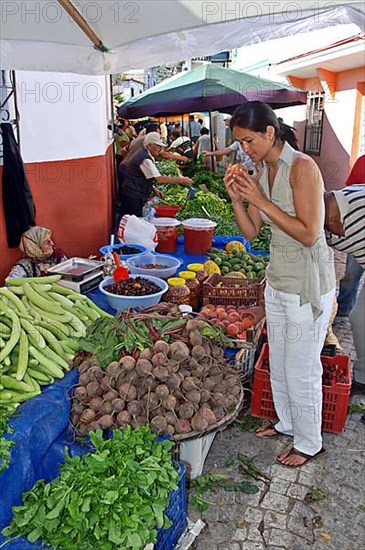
[[191, 193]]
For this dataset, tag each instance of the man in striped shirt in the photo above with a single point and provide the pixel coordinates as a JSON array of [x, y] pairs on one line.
[[345, 228]]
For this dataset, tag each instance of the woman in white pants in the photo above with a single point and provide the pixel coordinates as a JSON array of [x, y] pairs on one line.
[[300, 276]]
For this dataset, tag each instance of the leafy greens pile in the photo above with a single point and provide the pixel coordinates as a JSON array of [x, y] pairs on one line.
[[5, 444], [113, 499], [130, 332]]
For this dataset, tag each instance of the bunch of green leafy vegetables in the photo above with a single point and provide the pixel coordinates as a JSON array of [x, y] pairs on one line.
[[107, 338], [112, 499], [168, 167], [5, 444], [131, 332]]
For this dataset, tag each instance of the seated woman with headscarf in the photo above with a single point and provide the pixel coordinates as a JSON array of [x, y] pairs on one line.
[[39, 254]]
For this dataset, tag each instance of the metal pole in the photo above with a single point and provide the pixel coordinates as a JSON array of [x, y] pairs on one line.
[[213, 167]]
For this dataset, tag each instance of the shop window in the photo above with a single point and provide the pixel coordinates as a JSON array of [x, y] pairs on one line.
[[314, 123]]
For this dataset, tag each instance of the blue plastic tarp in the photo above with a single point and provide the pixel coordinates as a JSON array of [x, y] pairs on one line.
[[40, 433]]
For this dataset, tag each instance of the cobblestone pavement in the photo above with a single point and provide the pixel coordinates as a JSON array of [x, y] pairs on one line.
[[278, 516]]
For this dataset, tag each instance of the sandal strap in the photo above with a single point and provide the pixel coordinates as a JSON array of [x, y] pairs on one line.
[[294, 451]]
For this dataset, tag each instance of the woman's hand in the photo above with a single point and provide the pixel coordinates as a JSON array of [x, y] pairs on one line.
[[158, 193], [230, 184], [249, 189]]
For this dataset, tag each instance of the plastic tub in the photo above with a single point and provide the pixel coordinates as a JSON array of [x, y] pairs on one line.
[[198, 235], [118, 247], [135, 265], [166, 210], [167, 233], [120, 302]]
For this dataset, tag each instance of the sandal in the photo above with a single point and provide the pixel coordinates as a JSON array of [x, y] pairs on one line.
[[269, 426], [308, 458]]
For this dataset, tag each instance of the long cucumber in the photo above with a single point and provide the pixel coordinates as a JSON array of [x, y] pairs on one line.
[[64, 318], [65, 302], [4, 329], [53, 370], [50, 279], [70, 306], [18, 290], [39, 376], [44, 370], [29, 380], [19, 397], [40, 301], [23, 356], [88, 311], [14, 337], [53, 356], [11, 384], [58, 329], [61, 289], [28, 305], [72, 345], [33, 333], [14, 299], [51, 340], [89, 303], [78, 326]]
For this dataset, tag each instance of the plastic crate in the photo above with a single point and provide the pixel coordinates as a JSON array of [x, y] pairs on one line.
[[233, 291], [335, 398], [194, 453], [176, 511]]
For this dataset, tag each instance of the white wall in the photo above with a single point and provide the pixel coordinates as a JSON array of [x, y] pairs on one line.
[[62, 116]]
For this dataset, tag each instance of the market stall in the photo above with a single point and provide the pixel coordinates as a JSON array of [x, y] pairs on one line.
[[36, 454]]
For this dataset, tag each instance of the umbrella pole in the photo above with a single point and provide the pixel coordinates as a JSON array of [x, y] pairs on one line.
[[213, 167], [191, 141]]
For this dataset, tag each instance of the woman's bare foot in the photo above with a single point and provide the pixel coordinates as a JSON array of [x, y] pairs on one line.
[[293, 458], [266, 431]]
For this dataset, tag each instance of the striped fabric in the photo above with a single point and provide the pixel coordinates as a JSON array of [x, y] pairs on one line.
[[351, 202]]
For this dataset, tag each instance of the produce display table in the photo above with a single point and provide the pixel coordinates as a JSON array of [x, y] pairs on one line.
[[41, 429], [218, 242]]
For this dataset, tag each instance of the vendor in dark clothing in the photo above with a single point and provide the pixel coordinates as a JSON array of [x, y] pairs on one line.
[[142, 174]]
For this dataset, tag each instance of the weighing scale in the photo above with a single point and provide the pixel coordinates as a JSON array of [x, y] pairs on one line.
[[79, 274]]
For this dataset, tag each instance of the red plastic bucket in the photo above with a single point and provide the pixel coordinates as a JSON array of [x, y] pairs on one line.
[[198, 235], [167, 234]]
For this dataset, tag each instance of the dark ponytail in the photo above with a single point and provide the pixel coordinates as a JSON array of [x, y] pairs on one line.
[[257, 116], [286, 133]]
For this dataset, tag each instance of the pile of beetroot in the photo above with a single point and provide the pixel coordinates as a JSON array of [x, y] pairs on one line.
[[177, 388]]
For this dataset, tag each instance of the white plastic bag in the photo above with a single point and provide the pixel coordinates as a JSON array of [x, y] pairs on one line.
[[133, 230]]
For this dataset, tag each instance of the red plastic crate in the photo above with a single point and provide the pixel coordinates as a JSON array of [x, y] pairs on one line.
[[335, 398]]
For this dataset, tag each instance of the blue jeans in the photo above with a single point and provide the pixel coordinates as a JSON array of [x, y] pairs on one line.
[[349, 286]]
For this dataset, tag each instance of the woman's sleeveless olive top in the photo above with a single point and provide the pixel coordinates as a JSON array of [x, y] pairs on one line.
[[295, 268]]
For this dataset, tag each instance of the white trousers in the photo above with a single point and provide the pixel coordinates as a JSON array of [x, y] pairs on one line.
[[295, 342]]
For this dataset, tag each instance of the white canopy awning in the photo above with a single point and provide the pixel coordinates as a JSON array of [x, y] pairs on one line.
[[41, 36]]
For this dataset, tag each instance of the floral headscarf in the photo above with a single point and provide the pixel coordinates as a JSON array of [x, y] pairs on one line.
[[32, 240]]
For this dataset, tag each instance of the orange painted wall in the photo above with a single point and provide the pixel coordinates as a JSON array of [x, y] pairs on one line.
[[75, 199]]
